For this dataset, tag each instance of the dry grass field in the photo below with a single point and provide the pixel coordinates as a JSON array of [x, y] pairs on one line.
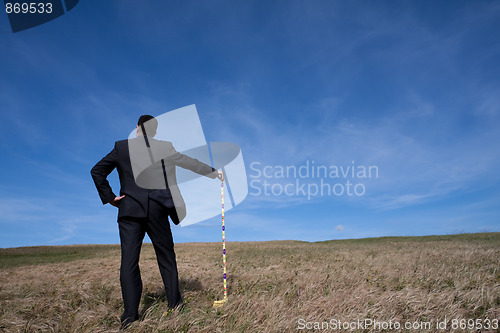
[[285, 286]]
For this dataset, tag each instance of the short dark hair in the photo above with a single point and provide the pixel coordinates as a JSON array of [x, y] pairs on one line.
[[150, 124]]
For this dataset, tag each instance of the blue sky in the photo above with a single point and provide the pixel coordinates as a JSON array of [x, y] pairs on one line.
[[410, 87]]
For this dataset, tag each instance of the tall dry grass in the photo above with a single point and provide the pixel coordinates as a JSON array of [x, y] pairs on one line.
[[271, 286]]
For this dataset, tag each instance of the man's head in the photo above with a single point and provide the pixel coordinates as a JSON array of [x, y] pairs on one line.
[[150, 125]]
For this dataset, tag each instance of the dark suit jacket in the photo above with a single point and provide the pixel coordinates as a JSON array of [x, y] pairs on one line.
[[135, 202]]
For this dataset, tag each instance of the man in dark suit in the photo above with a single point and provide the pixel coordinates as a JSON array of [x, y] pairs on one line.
[[148, 196]]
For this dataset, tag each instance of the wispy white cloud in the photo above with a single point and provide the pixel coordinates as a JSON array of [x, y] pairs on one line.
[[413, 169], [54, 219]]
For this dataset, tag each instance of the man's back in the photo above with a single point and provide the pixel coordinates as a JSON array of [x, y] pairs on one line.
[[146, 173]]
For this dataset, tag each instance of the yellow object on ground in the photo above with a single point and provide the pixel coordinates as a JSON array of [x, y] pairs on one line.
[[218, 304]]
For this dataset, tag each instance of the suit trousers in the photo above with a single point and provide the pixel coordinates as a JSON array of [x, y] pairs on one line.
[[132, 232]]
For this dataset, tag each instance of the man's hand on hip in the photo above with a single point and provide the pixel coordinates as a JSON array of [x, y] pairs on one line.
[[116, 201]]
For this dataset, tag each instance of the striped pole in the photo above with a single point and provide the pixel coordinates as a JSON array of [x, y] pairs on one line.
[[220, 303], [223, 239]]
